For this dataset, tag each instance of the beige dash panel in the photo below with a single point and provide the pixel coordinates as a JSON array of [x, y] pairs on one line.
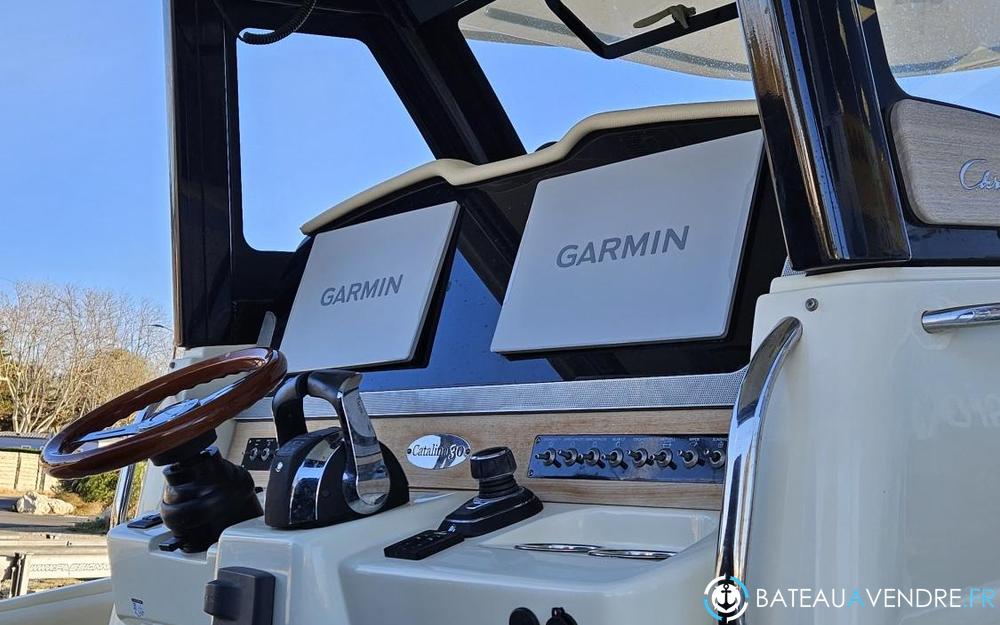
[[518, 432], [950, 161]]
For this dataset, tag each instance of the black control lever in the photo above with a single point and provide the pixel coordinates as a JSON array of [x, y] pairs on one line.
[[501, 501], [287, 406]]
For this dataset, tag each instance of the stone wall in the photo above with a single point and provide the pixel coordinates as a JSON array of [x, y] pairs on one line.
[[22, 471]]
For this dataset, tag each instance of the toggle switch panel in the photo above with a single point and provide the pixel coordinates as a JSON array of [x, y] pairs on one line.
[[648, 458], [259, 453]]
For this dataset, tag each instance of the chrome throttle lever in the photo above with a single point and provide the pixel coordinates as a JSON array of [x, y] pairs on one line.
[[333, 475], [366, 478]]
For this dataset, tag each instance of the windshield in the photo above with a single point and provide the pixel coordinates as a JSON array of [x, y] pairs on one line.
[[717, 52], [945, 51], [545, 89], [937, 37], [922, 37]]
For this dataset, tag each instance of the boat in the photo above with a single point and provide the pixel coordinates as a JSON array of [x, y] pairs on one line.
[[694, 362]]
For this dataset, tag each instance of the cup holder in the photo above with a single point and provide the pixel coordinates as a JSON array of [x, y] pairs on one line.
[[557, 547], [632, 554], [597, 551]]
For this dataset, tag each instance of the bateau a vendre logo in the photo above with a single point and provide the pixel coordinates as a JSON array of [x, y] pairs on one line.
[[727, 598]]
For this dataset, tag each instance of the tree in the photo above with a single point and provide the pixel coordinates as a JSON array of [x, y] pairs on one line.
[[6, 405], [65, 350], [112, 372]]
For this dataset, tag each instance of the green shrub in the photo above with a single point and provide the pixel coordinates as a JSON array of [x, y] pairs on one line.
[[133, 496], [93, 526], [95, 488]]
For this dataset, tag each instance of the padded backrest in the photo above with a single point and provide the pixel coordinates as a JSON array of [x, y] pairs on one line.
[[460, 173]]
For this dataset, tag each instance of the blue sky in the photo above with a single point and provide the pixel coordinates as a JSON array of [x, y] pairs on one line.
[[296, 165], [83, 146], [83, 137]]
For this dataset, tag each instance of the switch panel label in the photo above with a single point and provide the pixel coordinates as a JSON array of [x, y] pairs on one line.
[[642, 251]]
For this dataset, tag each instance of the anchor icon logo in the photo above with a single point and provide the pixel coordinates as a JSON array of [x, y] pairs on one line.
[[726, 598], [725, 591]]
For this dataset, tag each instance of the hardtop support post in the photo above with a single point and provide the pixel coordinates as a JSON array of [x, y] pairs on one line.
[[824, 132]]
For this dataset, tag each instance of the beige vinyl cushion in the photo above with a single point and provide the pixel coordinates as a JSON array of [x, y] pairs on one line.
[[459, 173]]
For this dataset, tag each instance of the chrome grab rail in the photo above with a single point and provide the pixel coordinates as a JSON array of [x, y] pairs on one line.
[[126, 476], [119, 505], [945, 319], [744, 442]]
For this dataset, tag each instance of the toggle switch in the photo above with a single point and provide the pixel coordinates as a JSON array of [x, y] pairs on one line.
[[548, 457], [690, 458], [717, 459], [664, 458], [571, 456], [593, 457], [615, 457], [640, 456]]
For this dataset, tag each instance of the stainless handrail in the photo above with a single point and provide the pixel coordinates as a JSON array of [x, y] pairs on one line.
[[119, 505], [744, 446], [946, 319], [126, 476]]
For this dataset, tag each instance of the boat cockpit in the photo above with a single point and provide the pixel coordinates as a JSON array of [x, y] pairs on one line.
[[530, 388], [395, 275]]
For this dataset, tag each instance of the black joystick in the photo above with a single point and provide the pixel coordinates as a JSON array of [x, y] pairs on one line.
[[501, 500], [203, 495], [494, 469]]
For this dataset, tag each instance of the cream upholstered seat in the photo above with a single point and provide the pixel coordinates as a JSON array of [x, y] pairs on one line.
[[461, 173]]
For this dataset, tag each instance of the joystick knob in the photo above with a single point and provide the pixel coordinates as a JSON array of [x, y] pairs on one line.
[[492, 464]]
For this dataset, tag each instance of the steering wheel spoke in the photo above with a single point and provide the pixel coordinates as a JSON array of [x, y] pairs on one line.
[[102, 435]]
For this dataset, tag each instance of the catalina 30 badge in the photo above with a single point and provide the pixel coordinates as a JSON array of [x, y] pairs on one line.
[[438, 451]]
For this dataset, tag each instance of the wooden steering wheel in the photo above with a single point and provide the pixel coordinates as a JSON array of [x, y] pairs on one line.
[[171, 427]]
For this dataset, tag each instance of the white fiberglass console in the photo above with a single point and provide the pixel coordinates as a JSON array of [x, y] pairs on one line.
[[339, 575]]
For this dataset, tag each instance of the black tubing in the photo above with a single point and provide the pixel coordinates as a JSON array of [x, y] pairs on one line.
[[276, 35]]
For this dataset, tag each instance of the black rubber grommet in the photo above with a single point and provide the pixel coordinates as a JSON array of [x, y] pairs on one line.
[[560, 617], [523, 616]]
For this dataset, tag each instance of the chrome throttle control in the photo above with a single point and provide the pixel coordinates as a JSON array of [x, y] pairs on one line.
[[332, 475]]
